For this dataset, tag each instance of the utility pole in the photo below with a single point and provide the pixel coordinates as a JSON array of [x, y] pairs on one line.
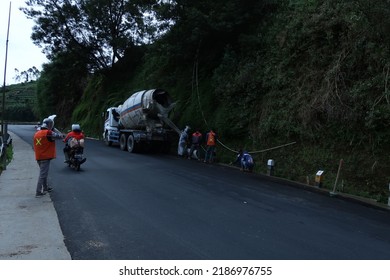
[[3, 130]]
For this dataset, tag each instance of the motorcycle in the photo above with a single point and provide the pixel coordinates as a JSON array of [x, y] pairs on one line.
[[76, 153]]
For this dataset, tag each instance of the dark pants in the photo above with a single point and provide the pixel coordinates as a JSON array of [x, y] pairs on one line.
[[194, 147], [209, 157], [43, 174]]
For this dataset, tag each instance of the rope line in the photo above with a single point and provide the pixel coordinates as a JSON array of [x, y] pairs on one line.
[[195, 76], [273, 148], [197, 90]]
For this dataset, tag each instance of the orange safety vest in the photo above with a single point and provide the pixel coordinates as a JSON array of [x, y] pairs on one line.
[[211, 139], [44, 149]]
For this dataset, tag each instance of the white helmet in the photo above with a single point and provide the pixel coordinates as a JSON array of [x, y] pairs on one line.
[[76, 127], [47, 123]]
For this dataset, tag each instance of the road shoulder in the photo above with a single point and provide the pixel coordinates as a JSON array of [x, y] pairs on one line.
[[29, 226]]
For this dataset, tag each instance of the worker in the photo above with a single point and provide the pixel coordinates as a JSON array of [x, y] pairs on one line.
[[247, 162], [211, 142], [196, 141], [244, 160], [45, 150], [183, 140]]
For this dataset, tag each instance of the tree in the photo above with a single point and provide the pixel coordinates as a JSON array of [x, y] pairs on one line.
[[61, 86], [100, 30], [25, 76]]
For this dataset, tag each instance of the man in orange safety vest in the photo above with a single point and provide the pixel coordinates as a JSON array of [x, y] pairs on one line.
[[45, 151], [211, 142]]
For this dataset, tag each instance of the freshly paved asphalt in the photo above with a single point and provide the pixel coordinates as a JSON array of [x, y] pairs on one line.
[[29, 227]]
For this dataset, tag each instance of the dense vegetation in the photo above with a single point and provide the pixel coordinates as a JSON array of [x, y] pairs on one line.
[[20, 100], [262, 72]]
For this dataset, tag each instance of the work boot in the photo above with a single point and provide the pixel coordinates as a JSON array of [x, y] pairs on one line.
[[40, 194]]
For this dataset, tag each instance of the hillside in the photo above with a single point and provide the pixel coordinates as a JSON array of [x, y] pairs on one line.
[[263, 73], [20, 102]]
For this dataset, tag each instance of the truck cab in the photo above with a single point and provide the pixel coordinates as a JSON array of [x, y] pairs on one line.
[[111, 131]]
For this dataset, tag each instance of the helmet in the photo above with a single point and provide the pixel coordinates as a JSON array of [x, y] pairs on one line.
[[47, 123], [76, 127]]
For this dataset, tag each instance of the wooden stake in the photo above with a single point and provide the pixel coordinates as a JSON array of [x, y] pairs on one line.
[[337, 176]]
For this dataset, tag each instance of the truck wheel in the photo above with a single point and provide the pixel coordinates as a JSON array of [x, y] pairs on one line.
[[108, 143], [131, 145], [122, 142]]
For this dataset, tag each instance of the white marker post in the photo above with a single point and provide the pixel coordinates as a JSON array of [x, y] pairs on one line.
[[319, 178]]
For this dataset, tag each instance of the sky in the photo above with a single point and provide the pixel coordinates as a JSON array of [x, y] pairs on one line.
[[22, 53]]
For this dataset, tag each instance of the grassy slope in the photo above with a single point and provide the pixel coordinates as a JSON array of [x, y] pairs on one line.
[[20, 102]]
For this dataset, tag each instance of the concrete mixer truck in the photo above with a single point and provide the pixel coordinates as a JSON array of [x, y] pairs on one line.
[[140, 122]]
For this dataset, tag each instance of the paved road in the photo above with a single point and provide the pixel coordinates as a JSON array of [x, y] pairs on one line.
[[153, 206]]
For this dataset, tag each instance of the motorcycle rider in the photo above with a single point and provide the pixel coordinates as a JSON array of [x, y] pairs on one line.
[[77, 134]]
